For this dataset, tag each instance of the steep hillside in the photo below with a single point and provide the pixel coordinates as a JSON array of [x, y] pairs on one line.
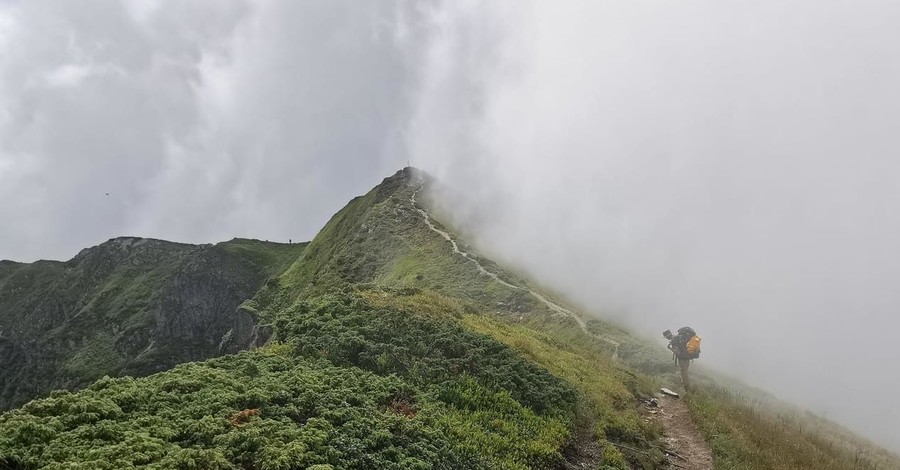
[[128, 306], [354, 380], [389, 237], [383, 238], [749, 429], [391, 344]]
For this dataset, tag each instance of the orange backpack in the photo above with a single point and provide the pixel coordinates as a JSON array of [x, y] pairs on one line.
[[691, 342]]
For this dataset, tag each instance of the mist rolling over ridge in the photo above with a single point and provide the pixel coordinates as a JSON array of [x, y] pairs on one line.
[[709, 166], [729, 167]]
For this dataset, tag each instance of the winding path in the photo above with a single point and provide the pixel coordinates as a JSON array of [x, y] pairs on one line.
[[553, 306]]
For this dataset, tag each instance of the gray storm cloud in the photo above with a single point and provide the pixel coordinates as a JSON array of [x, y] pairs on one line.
[[201, 120], [728, 165]]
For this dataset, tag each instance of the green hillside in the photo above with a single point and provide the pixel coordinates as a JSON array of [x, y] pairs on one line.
[[389, 343], [383, 238], [128, 306]]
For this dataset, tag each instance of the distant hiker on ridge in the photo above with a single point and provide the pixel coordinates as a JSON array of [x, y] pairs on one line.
[[685, 347]]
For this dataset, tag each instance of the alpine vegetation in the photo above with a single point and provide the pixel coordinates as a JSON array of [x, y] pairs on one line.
[[388, 342]]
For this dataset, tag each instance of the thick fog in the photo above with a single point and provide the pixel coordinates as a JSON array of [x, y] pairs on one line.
[[732, 166], [728, 165]]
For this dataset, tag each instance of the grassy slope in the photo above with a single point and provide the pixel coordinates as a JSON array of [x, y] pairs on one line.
[[608, 392], [344, 386], [743, 433], [747, 429], [380, 238]]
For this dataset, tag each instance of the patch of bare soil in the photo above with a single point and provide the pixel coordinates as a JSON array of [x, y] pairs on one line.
[[685, 446], [583, 451]]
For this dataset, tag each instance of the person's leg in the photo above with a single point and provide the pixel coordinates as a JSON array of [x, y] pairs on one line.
[[683, 365]]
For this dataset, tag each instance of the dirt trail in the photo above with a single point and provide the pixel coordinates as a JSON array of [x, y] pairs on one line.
[[681, 435], [449, 238], [544, 300], [687, 447]]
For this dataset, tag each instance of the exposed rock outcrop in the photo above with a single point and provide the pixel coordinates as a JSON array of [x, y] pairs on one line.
[[130, 306]]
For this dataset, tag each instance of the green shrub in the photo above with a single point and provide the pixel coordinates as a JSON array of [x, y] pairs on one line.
[[349, 385], [430, 351]]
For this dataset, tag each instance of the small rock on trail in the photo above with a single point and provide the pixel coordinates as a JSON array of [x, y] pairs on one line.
[[689, 449]]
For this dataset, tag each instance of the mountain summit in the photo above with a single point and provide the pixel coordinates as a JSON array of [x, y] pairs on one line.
[[388, 237]]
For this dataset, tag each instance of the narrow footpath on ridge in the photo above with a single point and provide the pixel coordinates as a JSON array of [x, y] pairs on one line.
[[686, 447], [553, 306]]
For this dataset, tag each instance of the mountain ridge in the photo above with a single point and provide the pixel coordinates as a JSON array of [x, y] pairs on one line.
[[122, 307], [386, 342]]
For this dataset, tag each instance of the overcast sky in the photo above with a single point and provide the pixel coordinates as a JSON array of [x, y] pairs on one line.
[[729, 165]]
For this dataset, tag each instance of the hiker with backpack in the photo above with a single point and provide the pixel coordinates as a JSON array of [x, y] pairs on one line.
[[685, 347]]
